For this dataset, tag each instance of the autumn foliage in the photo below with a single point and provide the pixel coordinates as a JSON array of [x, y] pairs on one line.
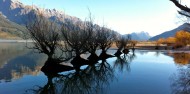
[[168, 41], [181, 39], [182, 58]]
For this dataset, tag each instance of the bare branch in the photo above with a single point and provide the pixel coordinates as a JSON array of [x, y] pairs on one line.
[[182, 7]]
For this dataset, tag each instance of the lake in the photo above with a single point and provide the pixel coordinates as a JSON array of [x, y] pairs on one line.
[[141, 72]]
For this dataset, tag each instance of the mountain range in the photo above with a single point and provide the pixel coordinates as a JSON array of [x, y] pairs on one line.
[[171, 33], [14, 14], [17, 12], [140, 36], [10, 30]]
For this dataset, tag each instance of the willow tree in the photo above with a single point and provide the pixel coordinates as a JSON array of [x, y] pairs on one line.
[[44, 34], [133, 43], [76, 36], [92, 43], [105, 39], [93, 46], [46, 39], [122, 42]]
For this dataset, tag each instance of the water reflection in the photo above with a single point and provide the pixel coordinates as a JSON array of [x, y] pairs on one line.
[[16, 62], [96, 77], [157, 53], [180, 82], [181, 58], [9, 51], [143, 52], [123, 62], [90, 80]]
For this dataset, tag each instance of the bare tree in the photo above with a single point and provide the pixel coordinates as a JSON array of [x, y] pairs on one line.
[[119, 42], [157, 45], [133, 44], [76, 36], [185, 11], [92, 43], [44, 33], [122, 42], [105, 39]]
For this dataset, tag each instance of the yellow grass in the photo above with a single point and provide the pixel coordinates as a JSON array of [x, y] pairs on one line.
[[5, 35]]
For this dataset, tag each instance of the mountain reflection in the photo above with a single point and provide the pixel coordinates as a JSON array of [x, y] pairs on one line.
[[90, 80], [9, 51], [16, 62]]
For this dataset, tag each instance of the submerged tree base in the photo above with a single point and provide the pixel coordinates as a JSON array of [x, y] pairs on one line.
[[93, 59], [53, 66], [104, 56], [77, 62], [118, 53], [126, 51]]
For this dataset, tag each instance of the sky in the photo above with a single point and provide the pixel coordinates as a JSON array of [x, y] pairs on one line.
[[123, 16]]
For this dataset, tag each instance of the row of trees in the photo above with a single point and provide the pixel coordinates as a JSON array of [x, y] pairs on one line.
[[69, 39]]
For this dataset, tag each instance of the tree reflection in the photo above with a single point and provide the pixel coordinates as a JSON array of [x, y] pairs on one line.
[[123, 62], [181, 58], [181, 81], [90, 80], [157, 53], [49, 88]]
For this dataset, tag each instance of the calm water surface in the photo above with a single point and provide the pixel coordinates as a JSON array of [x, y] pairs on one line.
[[142, 72]]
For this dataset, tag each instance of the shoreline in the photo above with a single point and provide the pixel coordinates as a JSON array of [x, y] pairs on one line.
[[145, 48], [14, 41], [163, 49]]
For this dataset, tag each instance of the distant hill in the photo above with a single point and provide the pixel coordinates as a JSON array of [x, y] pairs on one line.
[[10, 30], [171, 33], [14, 16], [17, 12], [140, 36]]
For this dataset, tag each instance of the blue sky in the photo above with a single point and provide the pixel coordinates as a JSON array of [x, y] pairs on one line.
[[124, 16]]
